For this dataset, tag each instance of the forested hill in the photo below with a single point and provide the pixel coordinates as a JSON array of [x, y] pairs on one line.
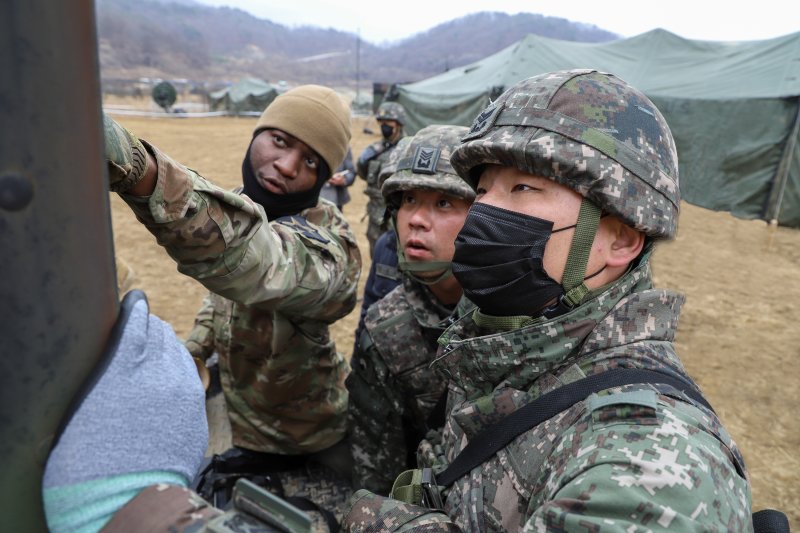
[[186, 39]]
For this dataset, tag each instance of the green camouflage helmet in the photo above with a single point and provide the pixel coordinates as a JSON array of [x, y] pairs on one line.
[[589, 131], [391, 111], [423, 162]]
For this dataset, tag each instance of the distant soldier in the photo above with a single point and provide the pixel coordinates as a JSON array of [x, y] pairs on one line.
[[576, 177], [391, 117], [335, 190], [281, 266], [393, 390]]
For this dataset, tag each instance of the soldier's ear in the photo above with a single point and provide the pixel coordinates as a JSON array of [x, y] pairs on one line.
[[625, 245]]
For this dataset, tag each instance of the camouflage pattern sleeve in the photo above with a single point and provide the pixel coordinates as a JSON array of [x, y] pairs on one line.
[[163, 508], [369, 512], [200, 341], [642, 467], [363, 160], [173, 509], [224, 241], [374, 420]]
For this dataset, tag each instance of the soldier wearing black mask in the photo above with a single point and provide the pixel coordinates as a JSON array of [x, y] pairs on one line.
[[391, 117]]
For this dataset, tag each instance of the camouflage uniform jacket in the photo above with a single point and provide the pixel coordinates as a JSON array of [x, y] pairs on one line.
[[277, 286], [639, 457], [368, 168], [393, 390]]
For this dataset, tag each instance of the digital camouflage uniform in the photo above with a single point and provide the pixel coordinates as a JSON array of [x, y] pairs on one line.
[[368, 168], [632, 458], [393, 390]]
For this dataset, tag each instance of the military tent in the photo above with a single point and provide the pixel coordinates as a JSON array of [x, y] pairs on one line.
[[734, 107], [250, 95]]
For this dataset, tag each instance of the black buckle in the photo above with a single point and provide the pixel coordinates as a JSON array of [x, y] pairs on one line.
[[561, 307], [430, 491]]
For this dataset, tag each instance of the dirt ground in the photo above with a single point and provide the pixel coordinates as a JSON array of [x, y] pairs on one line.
[[738, 334]]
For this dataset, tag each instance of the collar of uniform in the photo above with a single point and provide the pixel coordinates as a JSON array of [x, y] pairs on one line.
[[478, 361]]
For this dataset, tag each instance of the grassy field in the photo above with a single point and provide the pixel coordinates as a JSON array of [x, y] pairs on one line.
[[738, 335]]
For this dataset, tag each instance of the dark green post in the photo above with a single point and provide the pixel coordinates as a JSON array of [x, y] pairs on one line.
[[58, 285]]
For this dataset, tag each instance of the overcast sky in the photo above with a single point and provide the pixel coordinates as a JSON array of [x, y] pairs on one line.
[[380, 21]]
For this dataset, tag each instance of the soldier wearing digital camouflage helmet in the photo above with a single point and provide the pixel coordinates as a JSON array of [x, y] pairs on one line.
[[393, 391], [576, 176], [391, 117]]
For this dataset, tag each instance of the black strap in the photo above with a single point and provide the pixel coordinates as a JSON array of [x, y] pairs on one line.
[[438, 416], [219, 474], [305, 504], [495, 437]]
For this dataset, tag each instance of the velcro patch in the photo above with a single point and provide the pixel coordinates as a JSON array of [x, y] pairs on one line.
[[635, 407], [302, 226], [644, 398], [425, 160], [484, 121], [387, 271]]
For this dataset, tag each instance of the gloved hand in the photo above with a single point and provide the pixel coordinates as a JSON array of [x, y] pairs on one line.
[[142, 423], [125, 154]]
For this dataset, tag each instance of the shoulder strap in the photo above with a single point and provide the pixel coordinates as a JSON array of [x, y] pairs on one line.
[[498, 435]]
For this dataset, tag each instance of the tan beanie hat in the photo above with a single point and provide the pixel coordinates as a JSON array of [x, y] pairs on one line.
[[315, 115]]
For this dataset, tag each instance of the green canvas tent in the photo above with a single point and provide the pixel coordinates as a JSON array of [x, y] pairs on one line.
[[250, 95], [734, 107]]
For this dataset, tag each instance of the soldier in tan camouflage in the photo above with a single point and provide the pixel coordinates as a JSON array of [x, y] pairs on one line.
[[391, 117], [393, 391], [576, 176], [281, 266]]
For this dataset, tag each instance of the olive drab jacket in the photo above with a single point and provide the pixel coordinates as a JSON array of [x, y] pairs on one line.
[[639, 456], [276, 287]]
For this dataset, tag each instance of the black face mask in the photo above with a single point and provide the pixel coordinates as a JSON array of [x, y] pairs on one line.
[[387, 131], [279, 205], [498, 261]]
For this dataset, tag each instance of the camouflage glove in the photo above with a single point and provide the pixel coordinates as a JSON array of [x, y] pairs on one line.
[[126, 157]]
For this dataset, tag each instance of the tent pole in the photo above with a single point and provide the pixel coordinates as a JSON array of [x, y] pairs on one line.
[[782, 175]]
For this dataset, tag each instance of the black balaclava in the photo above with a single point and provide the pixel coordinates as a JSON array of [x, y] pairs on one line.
[[281, 205]]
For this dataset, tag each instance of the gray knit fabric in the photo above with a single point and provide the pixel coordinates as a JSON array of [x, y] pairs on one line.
[[146, 413]]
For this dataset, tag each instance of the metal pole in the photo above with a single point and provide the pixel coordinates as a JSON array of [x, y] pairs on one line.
[[782, 175], [358, 62], [58, 296]]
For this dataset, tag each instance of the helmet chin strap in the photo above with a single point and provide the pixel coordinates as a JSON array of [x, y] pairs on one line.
[[574, 278], [411, 269]]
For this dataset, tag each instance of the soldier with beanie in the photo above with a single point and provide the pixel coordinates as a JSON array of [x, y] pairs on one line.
[[281, 266], [568, 408]]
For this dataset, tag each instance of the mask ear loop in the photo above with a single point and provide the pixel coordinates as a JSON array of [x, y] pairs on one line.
[[573, 280]]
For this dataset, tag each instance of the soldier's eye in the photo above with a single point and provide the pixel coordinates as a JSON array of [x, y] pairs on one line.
[[524, 187]]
